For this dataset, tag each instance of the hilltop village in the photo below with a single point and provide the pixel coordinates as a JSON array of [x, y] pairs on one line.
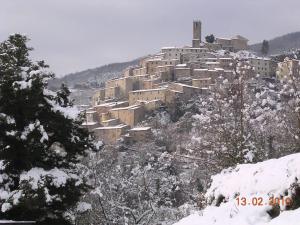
[[175, 73]]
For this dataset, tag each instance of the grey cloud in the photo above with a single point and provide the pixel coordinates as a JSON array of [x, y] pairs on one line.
[[73, 35]]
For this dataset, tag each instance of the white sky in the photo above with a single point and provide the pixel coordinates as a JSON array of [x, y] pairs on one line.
[[73, 35]]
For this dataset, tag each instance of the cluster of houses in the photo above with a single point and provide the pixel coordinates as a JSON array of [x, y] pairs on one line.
[[162, 79]]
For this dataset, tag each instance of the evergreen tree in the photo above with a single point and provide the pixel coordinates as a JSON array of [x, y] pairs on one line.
[[210, 38], [41, 141], [265, 47]]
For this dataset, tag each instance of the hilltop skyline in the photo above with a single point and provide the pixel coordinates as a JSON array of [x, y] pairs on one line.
[[76, 36]]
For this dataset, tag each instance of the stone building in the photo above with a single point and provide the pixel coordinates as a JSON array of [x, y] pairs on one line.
[[159, 81], [182, 70], [98, 97], [150, 83], [288, 68], [184, 52], [202, 83], [264, 66], [187, 91], [124, 84], [112, 92], [233, 44], [129, 115], [140, 134], [150, 105], [91, 120], [196, 34], [110, 135], [147, 95], [226, 63], [105, 107]]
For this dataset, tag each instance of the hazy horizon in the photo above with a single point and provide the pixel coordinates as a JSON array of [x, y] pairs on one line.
[[77, 35]]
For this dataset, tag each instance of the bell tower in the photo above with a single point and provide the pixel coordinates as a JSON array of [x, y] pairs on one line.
[[196, 33]]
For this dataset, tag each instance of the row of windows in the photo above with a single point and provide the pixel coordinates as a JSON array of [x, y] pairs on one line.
[[187, 50], [151, 93], [258, 63], [157, 62], [261, 68]]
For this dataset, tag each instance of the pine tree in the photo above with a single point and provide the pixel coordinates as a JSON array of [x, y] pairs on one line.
[[210, 38], [265, 47], [41, 141]]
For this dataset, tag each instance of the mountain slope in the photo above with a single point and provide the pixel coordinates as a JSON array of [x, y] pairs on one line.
[[280, 44], [93, 77]]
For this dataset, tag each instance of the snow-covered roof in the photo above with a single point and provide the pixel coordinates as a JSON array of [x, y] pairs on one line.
[[126, 108], [239, 37], [181, 65], [89, 123], [183, 68], [168, 47], [16, 222], [90, 112], [212, 63], [200, 69], [186, 85], [149, 101], [148, 90], [140, 128], [208, 78], [108, 104], [111, 127], [261, 58]]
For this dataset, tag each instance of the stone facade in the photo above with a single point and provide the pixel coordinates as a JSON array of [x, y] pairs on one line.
[[110, 135], [234, 44], [141, 134], [202, 83], [124, 84], [159, 81], [147, 95], [264, 66], [130, 115], [287, 68], [196, 34]]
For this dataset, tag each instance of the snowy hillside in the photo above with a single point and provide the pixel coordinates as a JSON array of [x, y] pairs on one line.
[[93, 76], [244, 195], [281, 44]]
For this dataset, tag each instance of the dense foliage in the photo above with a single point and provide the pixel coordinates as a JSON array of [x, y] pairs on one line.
[[41, 141]]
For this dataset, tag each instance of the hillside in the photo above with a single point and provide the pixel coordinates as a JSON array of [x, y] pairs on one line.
[[280, 44], [92, 77], [270, 190]]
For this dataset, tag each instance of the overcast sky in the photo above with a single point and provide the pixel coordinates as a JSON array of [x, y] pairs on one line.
[[73, 35]]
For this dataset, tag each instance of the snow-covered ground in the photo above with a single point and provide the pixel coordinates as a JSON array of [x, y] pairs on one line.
[[256, 183]]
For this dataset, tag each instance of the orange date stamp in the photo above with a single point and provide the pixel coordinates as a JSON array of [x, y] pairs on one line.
[[259, 201]]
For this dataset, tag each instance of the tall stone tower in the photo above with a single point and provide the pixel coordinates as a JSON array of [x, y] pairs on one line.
[[196, 33]]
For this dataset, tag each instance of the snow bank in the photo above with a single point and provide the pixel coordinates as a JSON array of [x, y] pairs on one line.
[[272, 178], [83, 207], [269, 177]]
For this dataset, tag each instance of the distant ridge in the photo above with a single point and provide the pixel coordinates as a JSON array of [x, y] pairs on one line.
[[280, 45], [92, 77], [97, 76]]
